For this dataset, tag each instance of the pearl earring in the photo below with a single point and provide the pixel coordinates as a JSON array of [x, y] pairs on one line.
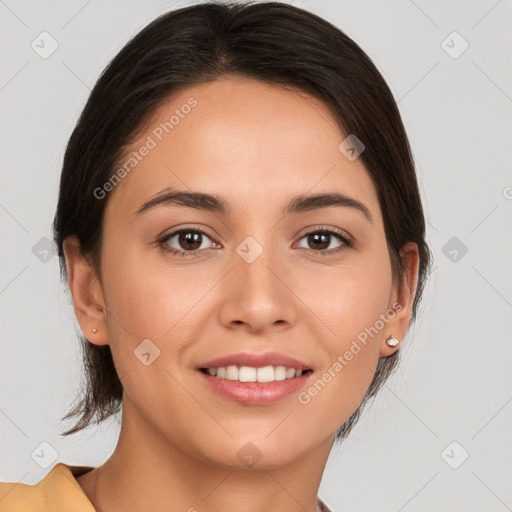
[[95, 331], [392, 341]]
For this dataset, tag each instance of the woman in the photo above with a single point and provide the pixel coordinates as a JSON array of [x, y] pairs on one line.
[[240, 226]]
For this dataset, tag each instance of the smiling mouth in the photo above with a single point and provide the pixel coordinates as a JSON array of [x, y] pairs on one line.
[[252, 374]]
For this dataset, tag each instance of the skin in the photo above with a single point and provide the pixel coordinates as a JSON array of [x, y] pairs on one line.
[[256, 146]]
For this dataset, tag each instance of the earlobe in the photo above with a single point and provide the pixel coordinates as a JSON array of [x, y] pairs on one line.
[[389, 345], [396, 329], [391, 341], [87, 294]]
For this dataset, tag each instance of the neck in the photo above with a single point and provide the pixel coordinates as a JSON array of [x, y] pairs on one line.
[[148, 472]]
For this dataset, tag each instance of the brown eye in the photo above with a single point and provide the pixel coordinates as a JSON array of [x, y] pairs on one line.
[[185, 241], [321, 241], [189, 240]]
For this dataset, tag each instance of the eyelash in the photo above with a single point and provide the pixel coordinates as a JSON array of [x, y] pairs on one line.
[[346, 241]]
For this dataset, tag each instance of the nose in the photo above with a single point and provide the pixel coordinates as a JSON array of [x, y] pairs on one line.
[[257, 296]]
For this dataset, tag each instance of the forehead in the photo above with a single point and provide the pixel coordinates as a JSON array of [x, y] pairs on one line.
[[241, 139]]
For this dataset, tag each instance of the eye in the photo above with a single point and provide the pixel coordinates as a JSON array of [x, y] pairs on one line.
[[188, 240], [321, 239]]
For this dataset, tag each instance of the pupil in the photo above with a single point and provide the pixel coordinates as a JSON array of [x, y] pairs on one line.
[[316, 237], [189, 238]]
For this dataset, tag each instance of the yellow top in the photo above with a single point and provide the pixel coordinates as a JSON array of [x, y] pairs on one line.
[[58, 491]]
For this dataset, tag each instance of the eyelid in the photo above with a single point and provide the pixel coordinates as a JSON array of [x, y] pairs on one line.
[[330, 229], [162, 239], [346, 242], [191, 227]]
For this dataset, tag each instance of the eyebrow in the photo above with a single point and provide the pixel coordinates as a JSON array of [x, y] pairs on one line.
[[214, 203]]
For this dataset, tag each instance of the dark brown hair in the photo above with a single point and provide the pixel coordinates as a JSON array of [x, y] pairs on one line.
[[272, 42]]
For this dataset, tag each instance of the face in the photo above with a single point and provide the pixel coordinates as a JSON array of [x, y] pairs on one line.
[[251, 276]]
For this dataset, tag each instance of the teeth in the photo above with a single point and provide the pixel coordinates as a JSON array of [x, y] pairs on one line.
[[250, 374], [232, 372], [279, 373], [266, 374], [247, 374]]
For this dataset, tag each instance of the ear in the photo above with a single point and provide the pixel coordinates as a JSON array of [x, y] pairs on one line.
[[87, 293], [402, 299]]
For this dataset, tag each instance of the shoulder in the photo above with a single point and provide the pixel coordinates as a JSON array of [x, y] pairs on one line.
[[57, 491]]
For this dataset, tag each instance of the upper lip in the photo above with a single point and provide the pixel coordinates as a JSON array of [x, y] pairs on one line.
[[255, 361]]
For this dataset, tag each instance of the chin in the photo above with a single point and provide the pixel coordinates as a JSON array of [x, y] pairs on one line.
[[256, 452]]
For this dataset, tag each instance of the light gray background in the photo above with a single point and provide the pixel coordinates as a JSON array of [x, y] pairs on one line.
[[455, 379]]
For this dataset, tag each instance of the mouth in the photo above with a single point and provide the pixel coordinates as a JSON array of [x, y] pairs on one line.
[[255, 379], [264, 374]]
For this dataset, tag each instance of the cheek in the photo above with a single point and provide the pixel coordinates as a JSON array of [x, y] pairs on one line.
[[340, 385], [353, 306], [336, 391], [348, 298], [146, 297], [149, 301]]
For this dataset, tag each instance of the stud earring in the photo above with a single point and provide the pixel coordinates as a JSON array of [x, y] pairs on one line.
[[392, 341], [95, 331]]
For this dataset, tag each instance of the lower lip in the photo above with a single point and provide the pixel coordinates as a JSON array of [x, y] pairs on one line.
[[256, 393]]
